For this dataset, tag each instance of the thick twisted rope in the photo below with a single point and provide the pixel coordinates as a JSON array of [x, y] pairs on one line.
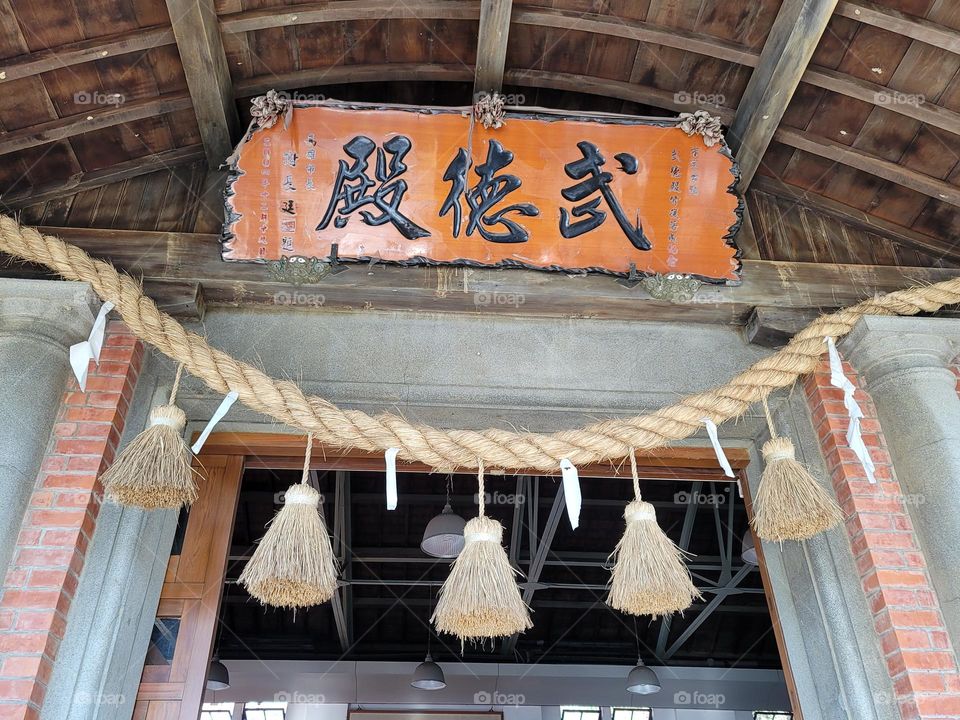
[[449, 449]]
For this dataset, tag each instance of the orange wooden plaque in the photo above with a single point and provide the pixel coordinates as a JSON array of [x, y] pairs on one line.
[[545, 191]]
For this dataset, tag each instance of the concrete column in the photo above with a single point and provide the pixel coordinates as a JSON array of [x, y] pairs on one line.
[[904, 364], [39, 320]]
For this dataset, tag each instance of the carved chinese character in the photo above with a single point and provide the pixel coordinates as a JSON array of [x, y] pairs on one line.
[[352, 187], [593, 180], [490, 190]]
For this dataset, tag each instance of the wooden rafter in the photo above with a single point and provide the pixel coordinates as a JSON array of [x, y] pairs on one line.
[[931, 33], [197, 32], [84, 51], [492, 45], [795, 34], [72, 125], [98, 178]]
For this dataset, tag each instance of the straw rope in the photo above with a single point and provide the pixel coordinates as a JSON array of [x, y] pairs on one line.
[[283, 400]]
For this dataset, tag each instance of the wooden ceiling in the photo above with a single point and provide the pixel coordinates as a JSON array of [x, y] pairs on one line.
[[845, 115]]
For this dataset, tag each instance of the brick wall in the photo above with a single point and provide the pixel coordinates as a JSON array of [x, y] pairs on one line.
[[56, 531], [893, 571]]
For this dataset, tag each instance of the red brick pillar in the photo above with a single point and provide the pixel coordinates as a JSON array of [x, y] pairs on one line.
[[893, 572], [57, 529]]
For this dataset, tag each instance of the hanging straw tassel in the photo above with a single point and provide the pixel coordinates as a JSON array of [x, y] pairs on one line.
[[649, 576], [154, 470], [790, 503], [480, 598], [293, 565]]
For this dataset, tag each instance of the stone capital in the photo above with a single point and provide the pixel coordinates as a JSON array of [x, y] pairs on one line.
[[57, 311], [887, 349]]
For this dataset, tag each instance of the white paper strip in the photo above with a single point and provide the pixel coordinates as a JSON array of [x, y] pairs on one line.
[[391, 457], [225, 405], [854, 436], [571, 492], [715, 441], [82, 353]]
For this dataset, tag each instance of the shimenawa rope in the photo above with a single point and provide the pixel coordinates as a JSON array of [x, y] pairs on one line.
[[449, 449]]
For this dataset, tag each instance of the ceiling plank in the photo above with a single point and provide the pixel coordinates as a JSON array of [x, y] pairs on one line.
[[84, 51], [492, 45], [915, 28], [98, 178], [204, 62], [938, 247], [195, 258], [795, 34], [73, 125]]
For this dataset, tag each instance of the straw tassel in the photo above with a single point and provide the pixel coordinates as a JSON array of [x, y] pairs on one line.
[[790, 503], [294, 565], [480, 598], [649, 576], [153, 471]]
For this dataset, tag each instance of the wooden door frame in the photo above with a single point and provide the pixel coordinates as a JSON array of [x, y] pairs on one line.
[[237, 451]]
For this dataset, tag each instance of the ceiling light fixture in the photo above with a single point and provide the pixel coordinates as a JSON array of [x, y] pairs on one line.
[[443, 536], [429, 675]]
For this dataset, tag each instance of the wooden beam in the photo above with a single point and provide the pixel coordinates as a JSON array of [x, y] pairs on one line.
[[84, 51], [943, 248], [868, 163], [347, 11], [208, 77], [195, 258], [79, 182], [915, 28], [773, 327], [72, 125], [795, 34], [492, 45]]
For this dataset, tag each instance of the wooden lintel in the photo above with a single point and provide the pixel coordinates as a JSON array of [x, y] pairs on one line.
[[795, 34], [193, 257], [204, 60], [773, 327]]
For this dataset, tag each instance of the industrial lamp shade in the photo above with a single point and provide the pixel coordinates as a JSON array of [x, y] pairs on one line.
[[428, 676], [443, 536], [218, 677], [642, 680]]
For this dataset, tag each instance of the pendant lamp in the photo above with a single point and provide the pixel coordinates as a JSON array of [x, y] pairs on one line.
[[443, 536]]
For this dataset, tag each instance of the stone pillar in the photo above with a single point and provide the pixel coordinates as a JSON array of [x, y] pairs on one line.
[[39, 321], [905, 365]]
